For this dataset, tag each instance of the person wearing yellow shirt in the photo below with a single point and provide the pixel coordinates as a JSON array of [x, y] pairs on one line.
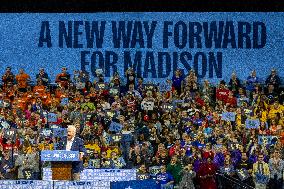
[[45, 146], [275, 108], [238, 118], [112, 149], [93, 146]]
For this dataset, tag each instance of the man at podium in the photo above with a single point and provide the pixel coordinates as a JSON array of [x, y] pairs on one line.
[[73, 143]]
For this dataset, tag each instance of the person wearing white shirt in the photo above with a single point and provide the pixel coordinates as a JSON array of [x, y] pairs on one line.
[[74, 143]]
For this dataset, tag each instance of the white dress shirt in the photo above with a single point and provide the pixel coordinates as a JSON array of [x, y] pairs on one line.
[[69, 144]]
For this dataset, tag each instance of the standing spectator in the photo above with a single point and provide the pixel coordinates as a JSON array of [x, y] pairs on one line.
[[228, 171], [276, 166], [63, 79], [164, 179], [187, 177], [231, 100], [22, 80], [246, 167], [117, 162], [177, 82], [130, 77], [8, 78], [7, 166], [260, 169], [251, 82], [207, 92], [80, 79], [207, 174], [222, 92], [273, 79], [174, 168], [234, 83], [142, 173], [26, 161], [43, 76]]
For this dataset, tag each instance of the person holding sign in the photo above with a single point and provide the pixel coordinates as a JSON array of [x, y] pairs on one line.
[[261, 173], [164, 179], [73, 143], [244, 170]]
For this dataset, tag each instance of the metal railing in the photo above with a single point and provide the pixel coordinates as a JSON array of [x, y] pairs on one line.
[[234, 183]]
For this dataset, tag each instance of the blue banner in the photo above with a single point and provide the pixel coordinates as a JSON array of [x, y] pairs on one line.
[[25, 184], [134, 184], [59, 155], [73, 184], [154, 44], [103, 175], [127, 137]]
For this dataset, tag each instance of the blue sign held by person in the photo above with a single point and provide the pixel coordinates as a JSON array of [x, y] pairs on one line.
[[229, 116], [266, 139], [262, 179], [240, 101], [116, 127], [52, 117], [64, 101], [126, 138], [59, 132], [252, 123], [46, 132]]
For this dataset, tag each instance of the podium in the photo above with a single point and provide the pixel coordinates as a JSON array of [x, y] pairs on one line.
[[61, 162]]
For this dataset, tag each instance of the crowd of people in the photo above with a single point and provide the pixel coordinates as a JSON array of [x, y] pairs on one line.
[[191, 130]]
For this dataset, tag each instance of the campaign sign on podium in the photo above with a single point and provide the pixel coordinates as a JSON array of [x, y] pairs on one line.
[[61, 162], [59, 155]]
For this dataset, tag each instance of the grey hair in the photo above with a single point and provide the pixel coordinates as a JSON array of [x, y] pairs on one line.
[[72, 127]]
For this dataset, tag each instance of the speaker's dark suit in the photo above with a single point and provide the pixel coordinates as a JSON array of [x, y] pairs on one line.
[[77, 145]]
